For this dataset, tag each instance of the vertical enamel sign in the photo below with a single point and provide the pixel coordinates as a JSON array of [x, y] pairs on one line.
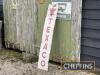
[[47, 36]]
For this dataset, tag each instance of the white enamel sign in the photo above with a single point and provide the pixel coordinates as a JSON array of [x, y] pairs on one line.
[[47, 37], [64, 10]]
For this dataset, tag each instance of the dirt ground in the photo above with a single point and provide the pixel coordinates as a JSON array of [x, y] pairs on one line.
[[14, 66]]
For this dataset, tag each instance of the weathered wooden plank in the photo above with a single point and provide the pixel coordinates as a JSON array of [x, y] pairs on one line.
[[76, 28], [91, 14], [91, 4], [90, 23], [67, 33], [92, 51], [1, 12], [85, 57], [91, 42], [1, 1], [91, 33], [19, 24], [0, 34]]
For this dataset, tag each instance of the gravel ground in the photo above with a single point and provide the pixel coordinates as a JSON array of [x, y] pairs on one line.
[[13, 66]]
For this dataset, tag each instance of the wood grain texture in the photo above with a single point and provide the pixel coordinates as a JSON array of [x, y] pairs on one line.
[[76, 28], [0, 34], [19, 24], [91, 31], [23, 28], [67, 33]]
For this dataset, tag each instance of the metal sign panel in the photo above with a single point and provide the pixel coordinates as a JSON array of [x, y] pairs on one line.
[[64, 10]]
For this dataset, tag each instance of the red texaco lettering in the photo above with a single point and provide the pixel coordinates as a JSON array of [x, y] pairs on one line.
[[42, 63], [48, 29], [52, 11], [44, 54], [47, 36], [50, 19], [45, 46]]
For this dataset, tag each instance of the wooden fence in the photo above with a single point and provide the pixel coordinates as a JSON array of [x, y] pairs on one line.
[[19, 24], [24, 26]]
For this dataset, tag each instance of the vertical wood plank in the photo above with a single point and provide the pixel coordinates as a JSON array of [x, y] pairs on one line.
[[0, 34], [19, 21]]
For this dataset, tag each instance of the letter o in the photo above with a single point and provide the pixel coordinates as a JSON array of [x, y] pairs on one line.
[[42, 63]]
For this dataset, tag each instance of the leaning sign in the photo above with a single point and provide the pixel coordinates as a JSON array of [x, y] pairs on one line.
[[47, 36]]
